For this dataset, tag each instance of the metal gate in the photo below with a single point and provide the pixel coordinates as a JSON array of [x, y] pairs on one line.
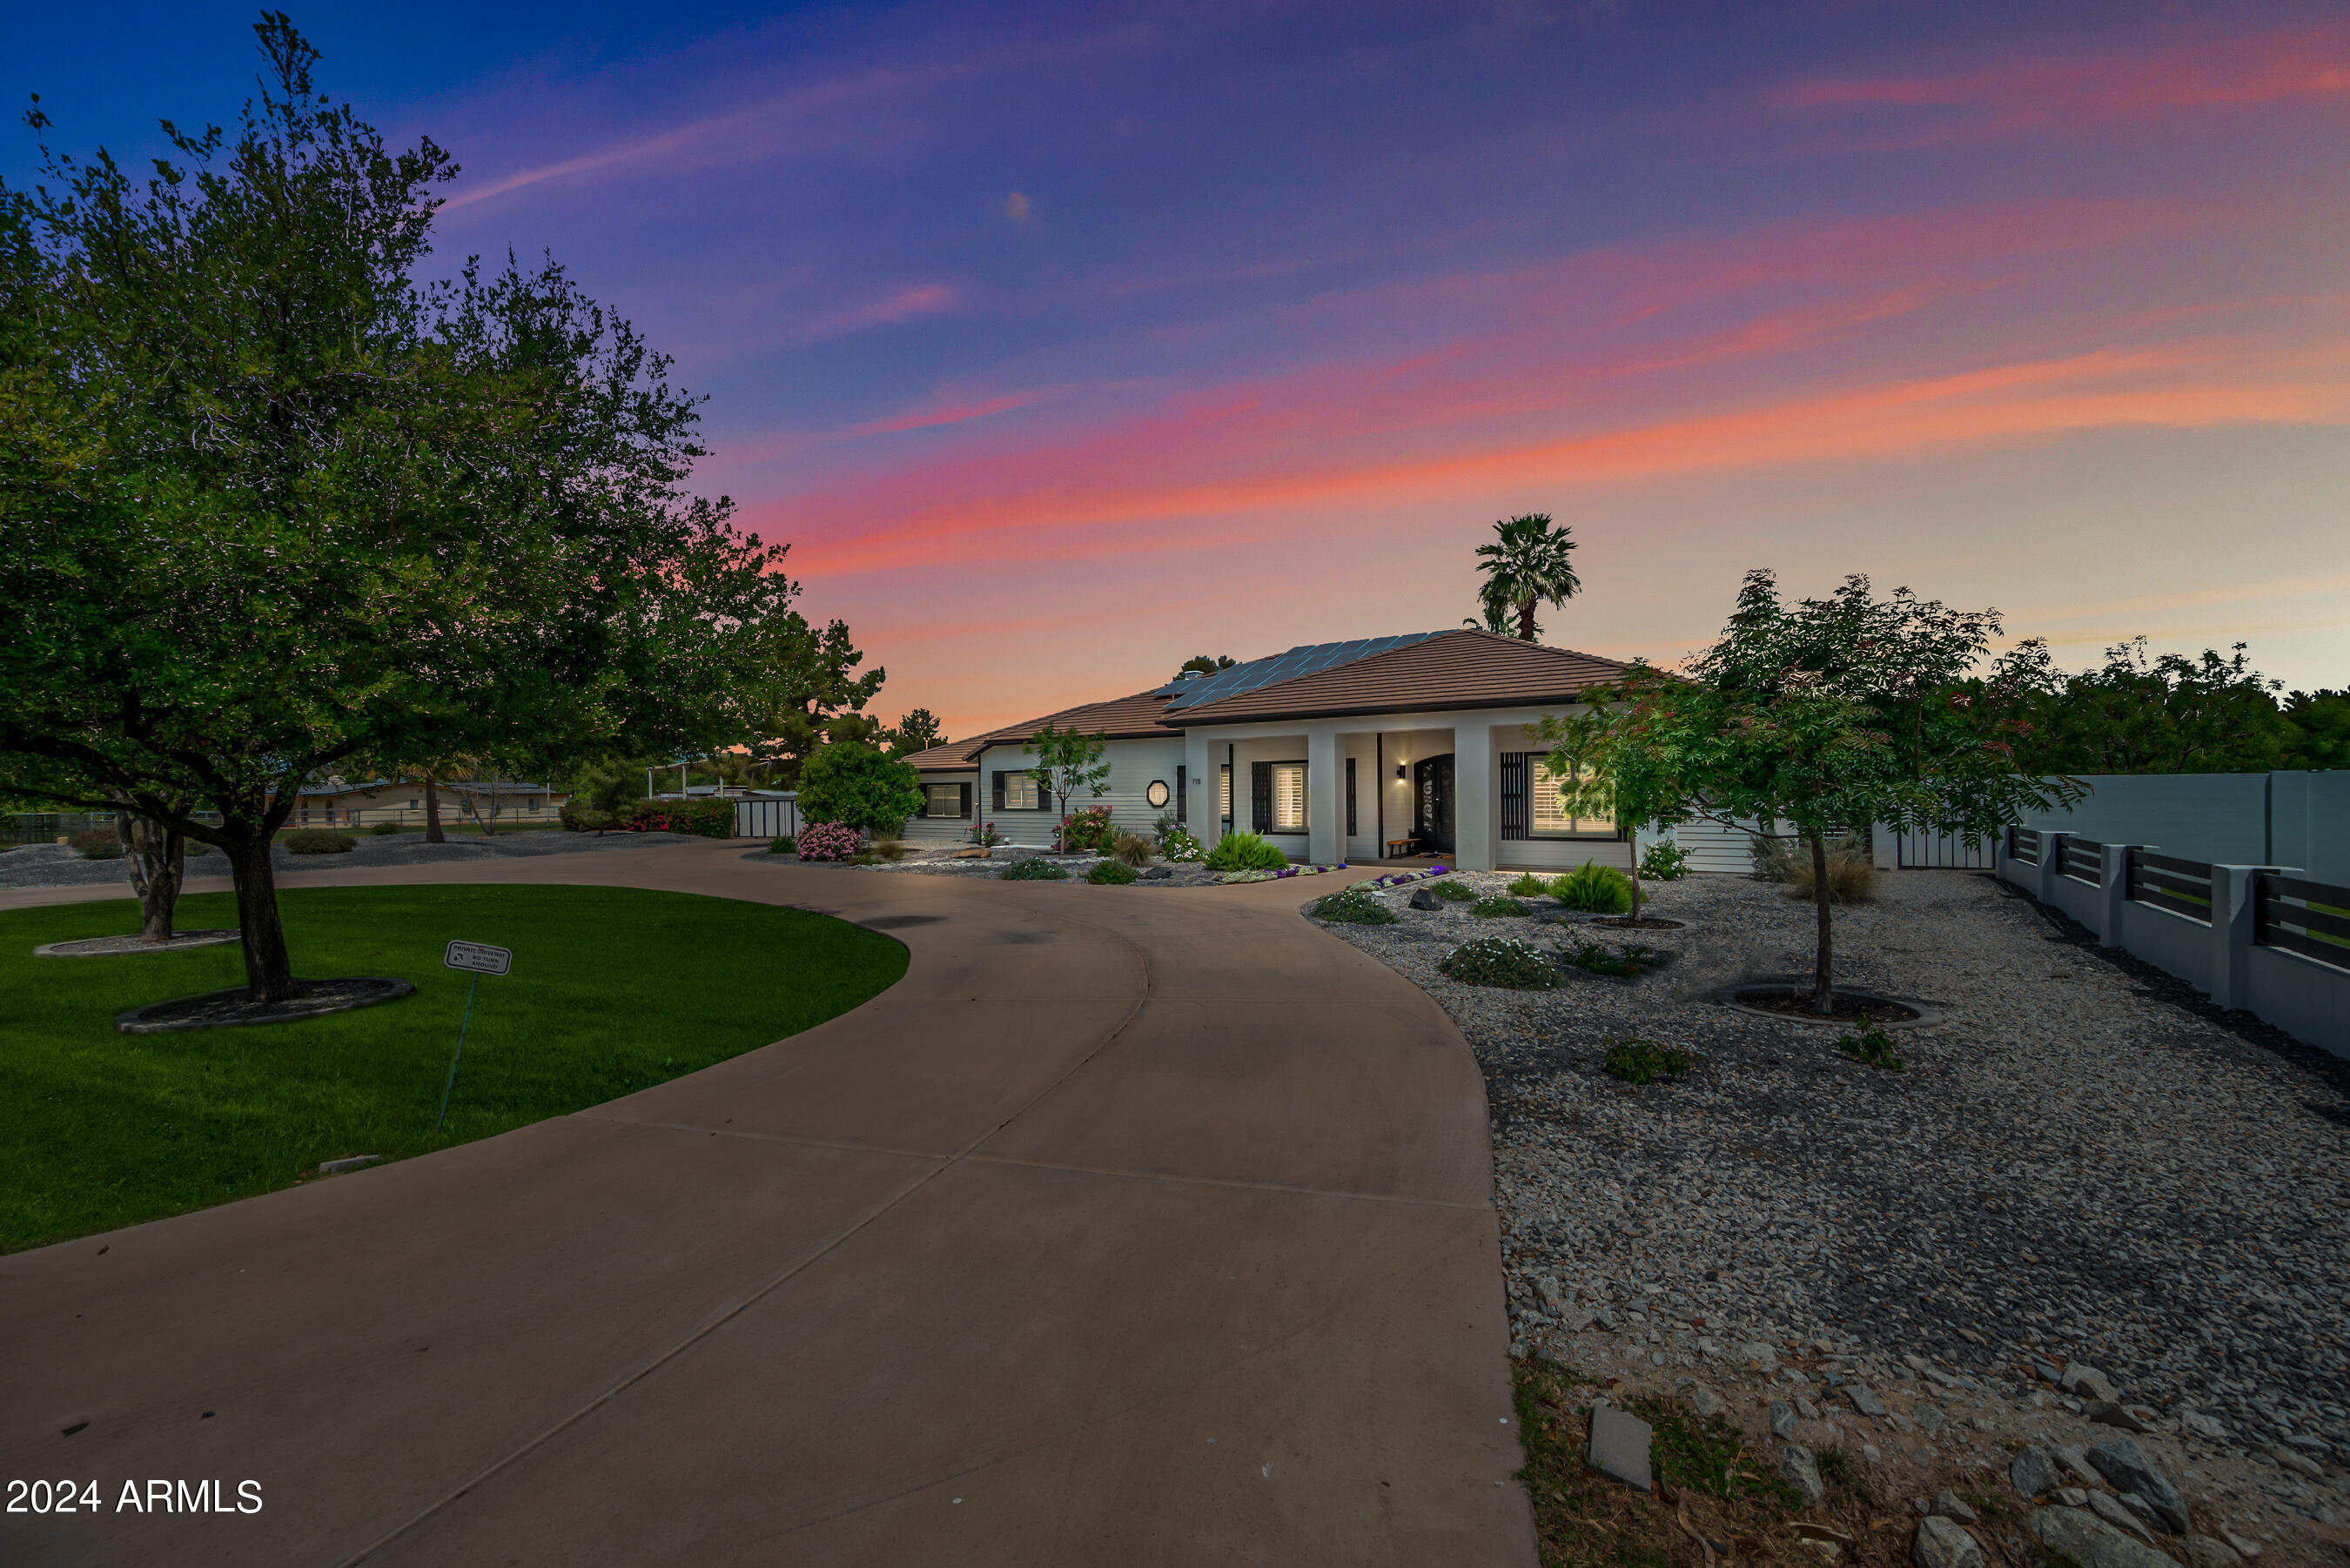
[[1922, 851]]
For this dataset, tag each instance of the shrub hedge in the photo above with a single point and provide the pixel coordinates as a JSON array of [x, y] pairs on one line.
[[1246, 851], [709, 817], [317, 841]]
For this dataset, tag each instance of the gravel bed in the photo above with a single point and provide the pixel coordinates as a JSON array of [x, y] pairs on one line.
[[58, 866], [2081, 1164], [928, 860]]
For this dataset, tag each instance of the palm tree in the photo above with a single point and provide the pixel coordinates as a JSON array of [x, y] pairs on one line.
[[1526, 567]]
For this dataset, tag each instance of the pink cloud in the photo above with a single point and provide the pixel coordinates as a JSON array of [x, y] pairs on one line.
[[2304, 64], [948, 414]]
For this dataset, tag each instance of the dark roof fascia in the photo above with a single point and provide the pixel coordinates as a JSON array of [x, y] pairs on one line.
[[1367, 713]]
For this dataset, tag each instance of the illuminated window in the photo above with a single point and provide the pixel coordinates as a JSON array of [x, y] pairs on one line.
[[1289, 797], [1550, 818]]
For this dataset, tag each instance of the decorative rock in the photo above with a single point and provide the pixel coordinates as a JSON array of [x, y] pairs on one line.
[[2087, 1382], [2202, 1552], [1921, 1458], [1806, 1410], [1424, 899], [1553, 1300], [1758, 1356], [2291, 1460], [1705, 1402], [2107, 1413], [2107, 1507], [1931, 1421], [1947, 1504], [1619, 1447], [2247, 1550], [1158, 874], [1865, 1401], [1604, 1319], [1942, 1544], [2076, 1461], [1782, 1420], [1800, 1470], [2122, 1463], [2090, 1541], [2203, 1425], [2071, 1496]]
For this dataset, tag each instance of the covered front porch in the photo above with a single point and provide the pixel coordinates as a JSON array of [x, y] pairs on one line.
[[1406, 789]]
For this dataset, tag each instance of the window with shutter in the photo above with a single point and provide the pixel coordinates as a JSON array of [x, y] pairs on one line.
[[1183, 793], [1513, 794], [1350, 797], [1288, 797], [997, 798], [1261, 796], [963, 801]]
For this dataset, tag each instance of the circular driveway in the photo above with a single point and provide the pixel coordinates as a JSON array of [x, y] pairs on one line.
[[1133, 1226]]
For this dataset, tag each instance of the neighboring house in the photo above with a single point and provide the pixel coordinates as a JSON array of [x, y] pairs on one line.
[[1331, 750], [337, 802]]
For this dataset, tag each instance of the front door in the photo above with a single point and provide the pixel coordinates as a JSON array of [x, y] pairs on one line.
[[1431, 816]]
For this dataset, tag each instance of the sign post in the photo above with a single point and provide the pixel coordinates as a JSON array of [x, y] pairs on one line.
[[480, 958]]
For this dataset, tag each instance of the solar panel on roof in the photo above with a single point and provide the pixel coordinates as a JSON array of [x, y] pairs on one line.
[[1307, 659]]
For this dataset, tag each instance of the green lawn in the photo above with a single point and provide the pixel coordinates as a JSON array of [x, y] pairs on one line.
[[613, 988]]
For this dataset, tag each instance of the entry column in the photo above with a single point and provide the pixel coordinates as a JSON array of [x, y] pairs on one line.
[[1473, 797], [1325, 821]]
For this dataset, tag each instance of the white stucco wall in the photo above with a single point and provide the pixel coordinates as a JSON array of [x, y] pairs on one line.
[[1134, 765]]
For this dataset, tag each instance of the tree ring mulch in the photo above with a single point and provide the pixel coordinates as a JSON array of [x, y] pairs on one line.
[[229, 1009], [1790, 1001], [108, 946]]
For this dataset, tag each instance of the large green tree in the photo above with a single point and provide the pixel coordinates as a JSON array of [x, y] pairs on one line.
[[269, 505], [2140, 712], [850, 782], [1529, 564]]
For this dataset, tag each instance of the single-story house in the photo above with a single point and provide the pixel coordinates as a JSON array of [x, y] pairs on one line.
[[1334, 751]]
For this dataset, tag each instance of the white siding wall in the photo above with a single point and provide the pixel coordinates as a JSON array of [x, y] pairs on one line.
[[1265, 749], [936, 829], [1134, 766], [1549, 854], [1713, 847]]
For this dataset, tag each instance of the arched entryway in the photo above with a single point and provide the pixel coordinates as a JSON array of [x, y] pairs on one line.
[[1432, 810]]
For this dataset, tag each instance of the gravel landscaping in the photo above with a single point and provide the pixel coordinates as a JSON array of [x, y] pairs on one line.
[[60, 865], [2078, 1166]]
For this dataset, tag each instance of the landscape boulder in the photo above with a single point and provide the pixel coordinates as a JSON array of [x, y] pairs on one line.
[[2090, 1541], [2122, 1462], [1943, 1544]]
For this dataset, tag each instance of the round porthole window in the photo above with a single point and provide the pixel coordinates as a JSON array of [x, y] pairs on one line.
[[1157, 794]]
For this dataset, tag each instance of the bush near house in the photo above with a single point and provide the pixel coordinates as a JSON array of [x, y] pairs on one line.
[[1034, 869], [1497, 908], [1246, 851], [1527, 885], [1131, 847], [850, 782], [386, 829], [1596, 887], [1453, 892], [1177, 844], [1110, 873], [829, 841], [1665, 861], [97, 844], [783, 844], [1085, 831], [1852, 873], [317, 841]]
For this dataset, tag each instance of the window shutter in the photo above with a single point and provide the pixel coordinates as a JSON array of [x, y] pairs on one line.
[[999, 789], [1350, 797], [965, 797], [925, 810], [1513, 794], [1182, 795], [1260, 796]]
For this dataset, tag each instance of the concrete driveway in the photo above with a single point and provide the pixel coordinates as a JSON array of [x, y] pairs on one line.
[[1133, 1226]]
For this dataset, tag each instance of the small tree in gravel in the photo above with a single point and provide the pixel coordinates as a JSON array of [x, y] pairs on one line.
[[1822, 717]]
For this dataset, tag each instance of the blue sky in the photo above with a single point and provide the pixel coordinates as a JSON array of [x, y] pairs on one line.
[[1064, 342]]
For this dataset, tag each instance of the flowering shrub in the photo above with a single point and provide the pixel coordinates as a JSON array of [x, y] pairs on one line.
[[1034, 869], [1356, 907], [1665, 861], [983, 833], [709, 817], [1087, 829], [1176, 843], [1507, 962], [829, 841]]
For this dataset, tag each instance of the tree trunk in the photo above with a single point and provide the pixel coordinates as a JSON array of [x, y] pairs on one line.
[[1526, 632], [1823, 964], [432, 834], [1635, 881], [158, 857], [268, 968]]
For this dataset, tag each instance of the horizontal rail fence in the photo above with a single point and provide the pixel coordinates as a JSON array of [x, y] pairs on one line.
[[2082, 859], [2181, 887], [2023, 846], [2311, 918]]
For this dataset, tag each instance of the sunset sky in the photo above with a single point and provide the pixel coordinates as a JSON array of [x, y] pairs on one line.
[[1064, 342]]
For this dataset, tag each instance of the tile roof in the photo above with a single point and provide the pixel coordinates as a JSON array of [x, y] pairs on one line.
[[1303, 659], [1462, 669], [1121, 718]]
